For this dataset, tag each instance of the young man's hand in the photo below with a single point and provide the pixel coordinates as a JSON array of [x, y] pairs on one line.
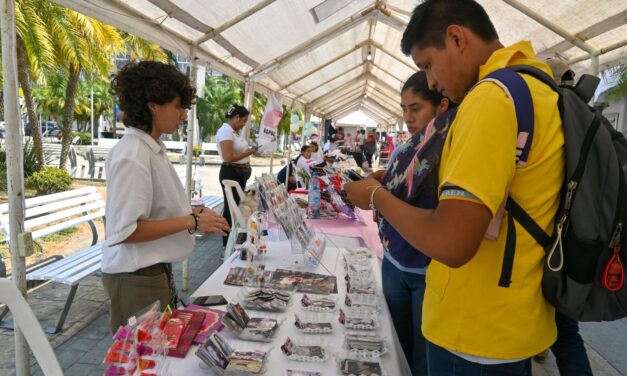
[[359, 192], [378, 175]]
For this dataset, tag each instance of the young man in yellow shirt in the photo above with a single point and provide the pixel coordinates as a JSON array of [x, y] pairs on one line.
[[472, 325]]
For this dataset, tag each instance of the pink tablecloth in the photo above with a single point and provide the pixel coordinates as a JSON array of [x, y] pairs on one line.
[[352, 228]]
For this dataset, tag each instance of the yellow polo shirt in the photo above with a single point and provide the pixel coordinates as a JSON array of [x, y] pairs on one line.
[[464, 309]]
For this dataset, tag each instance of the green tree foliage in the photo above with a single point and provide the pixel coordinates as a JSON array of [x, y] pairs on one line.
[[219, 95], [620, 90]]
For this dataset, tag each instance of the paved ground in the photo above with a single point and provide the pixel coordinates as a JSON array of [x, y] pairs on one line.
[[81, 346]]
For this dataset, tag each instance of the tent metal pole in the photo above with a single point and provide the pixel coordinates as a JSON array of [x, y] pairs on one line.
[[249, 95], [15, 171], [191, 125]]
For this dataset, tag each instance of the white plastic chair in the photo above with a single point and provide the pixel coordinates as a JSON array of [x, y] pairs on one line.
[[236, 214], [28, 324]]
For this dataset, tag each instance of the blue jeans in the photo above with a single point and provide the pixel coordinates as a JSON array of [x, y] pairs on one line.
[[444, 363], [404, 293], [568, 349]]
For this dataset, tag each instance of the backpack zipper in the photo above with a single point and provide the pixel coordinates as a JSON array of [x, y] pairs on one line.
[[616, 237]]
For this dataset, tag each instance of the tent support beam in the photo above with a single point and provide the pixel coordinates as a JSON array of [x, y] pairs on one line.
[[389, 73], [191, 125], [308, 46], [249, 95], [351, 87], [330, 80], [338, 90], [576, 41], [237, 19], [382, 97], [349, 97], [360, 45], [373, 105], [389, 53], [601, 51], [126, 18], [15, 172]]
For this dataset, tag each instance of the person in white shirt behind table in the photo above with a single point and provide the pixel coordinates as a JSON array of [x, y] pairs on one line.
[[150, 221], [235, 153]]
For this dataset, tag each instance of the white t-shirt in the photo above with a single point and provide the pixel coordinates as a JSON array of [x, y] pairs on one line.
[[226, 133], [302, 163], [142, 184]]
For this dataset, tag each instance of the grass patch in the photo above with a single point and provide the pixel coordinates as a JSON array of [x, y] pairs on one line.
[[59, 235]]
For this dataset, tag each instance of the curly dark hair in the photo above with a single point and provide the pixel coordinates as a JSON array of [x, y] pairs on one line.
[[137, 84]]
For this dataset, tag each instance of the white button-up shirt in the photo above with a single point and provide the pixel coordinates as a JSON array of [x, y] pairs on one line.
[[142, 184]]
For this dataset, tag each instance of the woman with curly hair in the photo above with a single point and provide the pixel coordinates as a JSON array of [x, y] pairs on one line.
[[149, 222]]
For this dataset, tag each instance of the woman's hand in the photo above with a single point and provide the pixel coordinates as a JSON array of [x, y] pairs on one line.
[[198, 209], [359, 192], [211, 222]]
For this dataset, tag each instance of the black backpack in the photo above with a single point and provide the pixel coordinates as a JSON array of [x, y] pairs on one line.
[[585, 267]]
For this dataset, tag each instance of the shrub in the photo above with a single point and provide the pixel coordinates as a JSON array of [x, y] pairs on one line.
[[30, 163], [50, 180], [84, 137], [196, 150]]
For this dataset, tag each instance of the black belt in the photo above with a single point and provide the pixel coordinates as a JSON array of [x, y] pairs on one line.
[[236, 165], [152, 270]]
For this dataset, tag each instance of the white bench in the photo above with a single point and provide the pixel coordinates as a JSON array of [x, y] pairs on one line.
[[209, 152], [52, 213], [176, 148], [215, 203], [52, 155], [107, 142], [96, 157]]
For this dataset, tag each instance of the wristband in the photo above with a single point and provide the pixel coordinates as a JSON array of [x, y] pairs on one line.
[[371, 206], [196, 220]]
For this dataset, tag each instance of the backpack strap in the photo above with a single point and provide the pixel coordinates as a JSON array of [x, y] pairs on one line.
[[517, 90]]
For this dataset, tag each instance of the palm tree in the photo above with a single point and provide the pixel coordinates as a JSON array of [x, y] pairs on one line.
[[220, 94], [620, 90], [34, 53], [82, 44], [141, 49]]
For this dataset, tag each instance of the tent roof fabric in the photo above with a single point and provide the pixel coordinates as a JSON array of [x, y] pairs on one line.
[[323, 67]]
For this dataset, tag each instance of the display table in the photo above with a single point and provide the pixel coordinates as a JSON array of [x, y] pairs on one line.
[[280, 256], [366, 230]]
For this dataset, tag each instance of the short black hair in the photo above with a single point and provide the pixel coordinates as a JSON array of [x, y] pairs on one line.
[[237, 110], [304, 148], [139, 83], [419, 86], [427, 25]]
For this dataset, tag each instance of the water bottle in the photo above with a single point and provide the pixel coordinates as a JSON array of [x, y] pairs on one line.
[[314, 197]]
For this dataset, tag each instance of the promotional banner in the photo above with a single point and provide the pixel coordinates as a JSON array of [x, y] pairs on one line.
[[268, 131]]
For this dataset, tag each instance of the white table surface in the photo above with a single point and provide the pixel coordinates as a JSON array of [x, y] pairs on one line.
[[279, 256]]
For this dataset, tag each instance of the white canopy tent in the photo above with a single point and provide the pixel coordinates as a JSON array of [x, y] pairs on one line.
[[328, 57], [321, 54]]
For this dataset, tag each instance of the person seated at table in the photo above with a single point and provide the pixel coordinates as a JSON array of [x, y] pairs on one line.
[[315, 151], [330, 144], [404, 267], [304, 160], [300, 162]]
